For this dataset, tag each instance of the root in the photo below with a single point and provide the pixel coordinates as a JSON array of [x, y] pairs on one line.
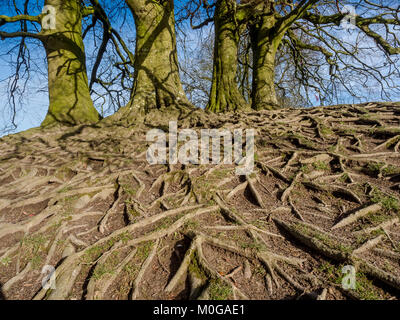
[[254, 192], [381, 226], [297, 212], [357, 215], [145, 266], [104, 219], [368, 245], [237, 189], [71, 186], [286, 193]]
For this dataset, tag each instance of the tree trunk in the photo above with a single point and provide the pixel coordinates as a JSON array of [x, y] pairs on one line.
[[157, 83], [265, 42], [225, 95], [70, 101]]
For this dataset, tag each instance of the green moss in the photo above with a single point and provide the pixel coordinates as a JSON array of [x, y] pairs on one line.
[[390, 170], [5, 261], [361, 239], [344, 177], [65, 189], [325, 239], [64, 172], [195, 267], [332, 272], [382, 131], [374, 167], [252, 245], [320, 165], [219, 290], [33, 248], [305, 168], [125, 237], [129, 190], [102, 270], [260, 271], [93, 253], [365, 288], [191, 225], [144, 250], [393, 142], [302, 141], [325, 130], [389, 203], [375, 218], [34, 242], [130, 209], [131, 270]]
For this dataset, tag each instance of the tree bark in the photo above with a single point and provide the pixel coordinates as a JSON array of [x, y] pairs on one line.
[[225, 95], [157, 83], [69, 95], [265, 41]]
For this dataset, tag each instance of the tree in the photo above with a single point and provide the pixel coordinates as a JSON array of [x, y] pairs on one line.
[[69, 96], [293, 46], [157, 83], [70, 100], [267, 29], [225, 95], [308, 28]]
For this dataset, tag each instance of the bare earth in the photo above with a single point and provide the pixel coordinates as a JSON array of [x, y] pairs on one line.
[[324, 194]]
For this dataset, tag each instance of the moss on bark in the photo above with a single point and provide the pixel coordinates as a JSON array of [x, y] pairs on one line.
[[225, 95], [265, 42], [69, 96]]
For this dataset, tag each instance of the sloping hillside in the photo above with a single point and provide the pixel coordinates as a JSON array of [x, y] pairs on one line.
[[325, 194]]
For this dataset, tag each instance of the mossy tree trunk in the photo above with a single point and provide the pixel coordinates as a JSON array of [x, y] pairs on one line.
[[225, 95], [70, 101], [157, 82], [265, 41]]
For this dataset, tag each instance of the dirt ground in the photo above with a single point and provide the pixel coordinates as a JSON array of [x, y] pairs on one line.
[[324, 194]]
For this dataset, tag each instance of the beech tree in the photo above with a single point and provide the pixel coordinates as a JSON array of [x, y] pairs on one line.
[[69, 96], [301, 27], [304, 34]]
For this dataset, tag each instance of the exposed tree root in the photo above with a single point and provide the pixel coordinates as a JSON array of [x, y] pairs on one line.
[[86, 201]]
